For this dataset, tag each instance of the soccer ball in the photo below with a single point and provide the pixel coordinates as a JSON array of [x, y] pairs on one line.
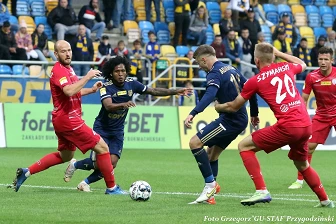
[[140, 191]]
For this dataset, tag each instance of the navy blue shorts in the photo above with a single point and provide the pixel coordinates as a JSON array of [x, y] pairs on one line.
[[115, 144], [219, 133]]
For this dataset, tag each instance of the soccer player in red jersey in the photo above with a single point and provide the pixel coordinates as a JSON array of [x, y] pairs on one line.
[[323, 83], [275, 84], [67, 91]]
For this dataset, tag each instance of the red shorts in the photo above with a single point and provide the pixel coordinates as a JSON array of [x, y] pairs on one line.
[[276, 136], [84, 138], [321, 128]]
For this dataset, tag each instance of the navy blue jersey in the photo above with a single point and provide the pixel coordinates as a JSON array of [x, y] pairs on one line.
[[224, 84], [109, 122]]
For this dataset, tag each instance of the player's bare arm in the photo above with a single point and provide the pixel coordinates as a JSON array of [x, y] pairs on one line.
[[289, 58], [93, 89], [169, 92], [73, 89], [110, 106], [305, 97], [232, 106]]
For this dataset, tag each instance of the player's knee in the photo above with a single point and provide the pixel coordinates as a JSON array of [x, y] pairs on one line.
[[195, 143], [101, 148], [114, 160], [301, 165]]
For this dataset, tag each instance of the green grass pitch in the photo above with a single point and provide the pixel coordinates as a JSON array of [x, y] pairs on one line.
[[175, 181]]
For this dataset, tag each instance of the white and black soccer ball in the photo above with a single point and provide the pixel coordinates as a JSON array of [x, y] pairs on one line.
[[140, 191]]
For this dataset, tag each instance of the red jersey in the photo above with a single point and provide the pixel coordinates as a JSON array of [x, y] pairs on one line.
[[324, 88], [67, 113], [275, 84]]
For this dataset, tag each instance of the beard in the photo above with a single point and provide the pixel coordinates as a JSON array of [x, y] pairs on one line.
[[65, 61]]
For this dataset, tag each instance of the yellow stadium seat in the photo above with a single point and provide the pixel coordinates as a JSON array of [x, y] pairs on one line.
[[141, 14], [36, 70], [216, 29], [300, 19], [51, 45], [332, 2], [95, 50], [308, 33], [223, 6], [167, 50], [50, 4], [200, 3], [29, 21], [138, 3], [171, 27], [293, 2], [298, 9], [128, 24]]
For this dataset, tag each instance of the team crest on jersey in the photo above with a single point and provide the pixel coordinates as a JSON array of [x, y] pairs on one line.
[[130, 92], [102, 91], [333, 81], [63, 80]]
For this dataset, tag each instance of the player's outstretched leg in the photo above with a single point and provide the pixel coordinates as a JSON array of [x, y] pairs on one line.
[[202, 160], [47, 161], [252, 166], [85, 184], [299, 182]]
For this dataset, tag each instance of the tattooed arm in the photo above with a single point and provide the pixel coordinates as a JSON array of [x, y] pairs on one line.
[[168, 92]]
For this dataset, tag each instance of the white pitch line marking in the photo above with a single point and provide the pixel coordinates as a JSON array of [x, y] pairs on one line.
[[282, 197]]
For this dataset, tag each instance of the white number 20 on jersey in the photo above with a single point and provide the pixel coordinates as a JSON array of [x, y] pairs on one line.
[[289, 89]]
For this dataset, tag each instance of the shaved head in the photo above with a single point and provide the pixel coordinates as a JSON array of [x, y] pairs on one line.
[[63, 52]]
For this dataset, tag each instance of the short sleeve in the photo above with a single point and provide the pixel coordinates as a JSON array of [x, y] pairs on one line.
[[138, 87], [295, 68], [104, 93], [61, 77], [307, 87], [213, 80], [250, 88]]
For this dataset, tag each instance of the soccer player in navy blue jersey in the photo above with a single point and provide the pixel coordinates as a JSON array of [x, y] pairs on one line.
[[116, 97], [224, 84]]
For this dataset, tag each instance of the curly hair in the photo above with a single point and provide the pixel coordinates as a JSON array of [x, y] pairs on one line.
[[109, 66]]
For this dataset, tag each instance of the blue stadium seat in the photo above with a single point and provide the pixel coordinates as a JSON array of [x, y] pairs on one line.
[[169, 8], [320, 2], [5, 70], [319, 31], [13, 20], [311, 9], [282, 8], [215, 14], [271, 12], [145, 27], [313, 15], [194, 48], [267, 33], [168, 4], [22, 8], [48, 31], [37, 8], [162, 32], [334, 11], [17, 70], [327, 16], [40, 19], [182, 50], [210, 35], [306, 2]]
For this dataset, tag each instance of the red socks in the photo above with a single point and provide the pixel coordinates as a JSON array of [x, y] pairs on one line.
[[253, 168], [314, 182], [47, 161], [106, 168], [300, 177]]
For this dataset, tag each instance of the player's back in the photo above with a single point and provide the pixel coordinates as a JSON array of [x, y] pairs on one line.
[[276, 85], [229, 82]]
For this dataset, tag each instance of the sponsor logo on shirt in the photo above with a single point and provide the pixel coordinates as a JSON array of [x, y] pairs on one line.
[[102, 91], [63, 80], [130, 92], [284, 108], [325, 83], [121, 93]]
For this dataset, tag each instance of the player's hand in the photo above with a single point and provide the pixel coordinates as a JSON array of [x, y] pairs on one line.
[[255, 121], [93, 73], [185, 92], [128, 105], [188, 121], [97, 86]]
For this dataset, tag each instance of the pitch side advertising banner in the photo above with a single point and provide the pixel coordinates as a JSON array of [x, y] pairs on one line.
[[330, 143], [29, 126], [209, 114], [2, 128]]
